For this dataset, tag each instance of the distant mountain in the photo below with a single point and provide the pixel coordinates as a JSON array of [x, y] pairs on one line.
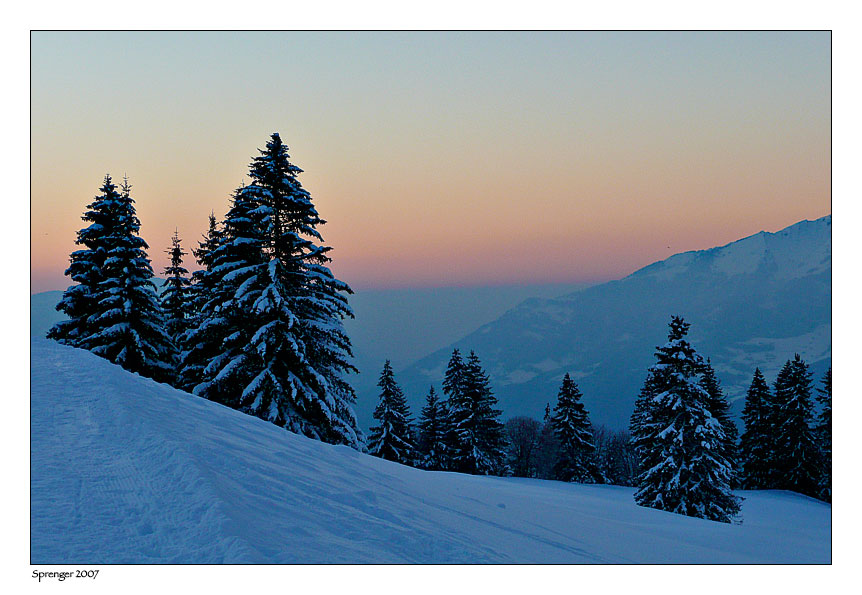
[[754, 302]]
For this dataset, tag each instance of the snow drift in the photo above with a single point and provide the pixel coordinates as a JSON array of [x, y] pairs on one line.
[[126, 470]]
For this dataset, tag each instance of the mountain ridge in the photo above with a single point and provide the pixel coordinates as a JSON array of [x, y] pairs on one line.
[[748, 301]]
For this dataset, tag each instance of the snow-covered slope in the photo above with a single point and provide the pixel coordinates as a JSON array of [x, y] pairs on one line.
[[754, 302], [125, 470]]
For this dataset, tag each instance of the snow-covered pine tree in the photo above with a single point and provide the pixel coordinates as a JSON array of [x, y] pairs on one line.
[[643, 431], [720, 409], [321, 402], [85, 268], [176, 294], [128, 327], [392, 439], [201, 281], [824, 436], [576, 458], [432, 433], [225, 323], [480, 439], [757, 443], [452, 389], [679, 440], [797, 464], [200, 343]]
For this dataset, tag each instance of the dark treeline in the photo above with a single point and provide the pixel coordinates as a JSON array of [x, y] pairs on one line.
[[682, 451]]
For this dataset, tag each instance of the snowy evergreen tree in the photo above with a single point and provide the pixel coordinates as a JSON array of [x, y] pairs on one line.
[[128, 327], [797, 461], [677, 438], [320, 401], [720, 410], [480, 441], [86, 267], [200, 343], [432, 433], [757, 443], [275, 311], [202, 281], [824, 436], [216, 354], [576, 460], [176, 294], [452, 389], [392, 439]]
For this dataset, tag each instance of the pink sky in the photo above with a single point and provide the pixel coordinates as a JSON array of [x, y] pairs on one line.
[[442, 159]]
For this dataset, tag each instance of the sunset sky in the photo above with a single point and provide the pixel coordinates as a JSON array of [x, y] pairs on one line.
[[441, 159]]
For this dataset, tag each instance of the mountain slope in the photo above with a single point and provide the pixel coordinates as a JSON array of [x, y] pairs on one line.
[[126, 470], [754, 302]]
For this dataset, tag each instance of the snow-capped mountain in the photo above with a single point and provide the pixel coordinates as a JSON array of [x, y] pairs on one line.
[[127, 470], [754, 302]]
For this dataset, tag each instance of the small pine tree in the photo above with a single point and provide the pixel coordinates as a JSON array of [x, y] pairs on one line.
[[201, 342], [678, 439], [202, 280], [176, 296], [720, 410], [797, 464], [756, 445], [129, 328], [480, 439], [824, 436], [392, 439], [576, 462], [432, 433], [548, 447], [86, 266]]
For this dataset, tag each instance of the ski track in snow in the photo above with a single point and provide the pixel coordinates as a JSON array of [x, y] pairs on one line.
[[126, 470]]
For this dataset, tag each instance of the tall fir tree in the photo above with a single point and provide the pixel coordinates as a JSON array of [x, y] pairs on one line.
[[480, 441], [824, 436], [86, 266], [392, 438], [797, 461], [299, 280], [720, 409], [176, 295], [757, 443], [576, 459], [679, 440], [128, 327], [432, 433], [277, 310]]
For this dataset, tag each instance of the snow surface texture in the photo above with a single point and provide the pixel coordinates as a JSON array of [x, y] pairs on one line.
[[126, 470], [754, 302]]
